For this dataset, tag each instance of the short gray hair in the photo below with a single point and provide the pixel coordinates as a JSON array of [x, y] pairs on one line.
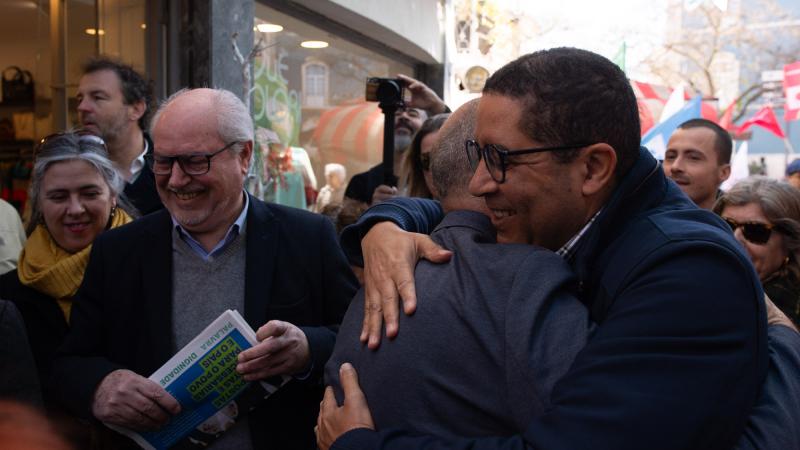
[[450, 168], [74, 147], [234, 123], [336, 168]]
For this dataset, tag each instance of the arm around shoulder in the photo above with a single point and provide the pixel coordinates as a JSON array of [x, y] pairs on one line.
[[418, 215]]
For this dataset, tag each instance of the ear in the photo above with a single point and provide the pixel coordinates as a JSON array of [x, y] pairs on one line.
[[136, 111], [724, 172], [244, 156], [600, 163]]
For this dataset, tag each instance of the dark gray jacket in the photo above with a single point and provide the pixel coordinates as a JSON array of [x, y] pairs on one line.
[[493, 331]]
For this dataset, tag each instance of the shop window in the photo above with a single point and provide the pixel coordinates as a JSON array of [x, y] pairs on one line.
[[308, 94], [315, 84]]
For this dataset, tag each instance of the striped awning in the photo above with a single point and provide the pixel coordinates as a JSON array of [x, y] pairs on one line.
[[350, 133]]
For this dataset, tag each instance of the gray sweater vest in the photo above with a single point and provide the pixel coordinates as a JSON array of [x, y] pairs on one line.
[[201, 291]]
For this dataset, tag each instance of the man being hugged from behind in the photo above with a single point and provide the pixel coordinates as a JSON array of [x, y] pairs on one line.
[[495, 327], [558, 162]]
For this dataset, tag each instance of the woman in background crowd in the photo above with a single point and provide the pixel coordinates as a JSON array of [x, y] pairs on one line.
[[417, 164], [75, 194], [765, 217]]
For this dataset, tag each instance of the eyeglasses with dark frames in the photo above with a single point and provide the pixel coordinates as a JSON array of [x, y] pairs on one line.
[[192, 164], [755, 232], [496, 157]]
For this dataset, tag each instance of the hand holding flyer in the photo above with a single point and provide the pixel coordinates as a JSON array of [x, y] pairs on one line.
[[202, 377], [282, 349]]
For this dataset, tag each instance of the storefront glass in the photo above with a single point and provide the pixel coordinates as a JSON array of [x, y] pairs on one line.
[[45, 46], [309, 89]]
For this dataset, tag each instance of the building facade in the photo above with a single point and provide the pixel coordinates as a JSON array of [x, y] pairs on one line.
[[311, 95]]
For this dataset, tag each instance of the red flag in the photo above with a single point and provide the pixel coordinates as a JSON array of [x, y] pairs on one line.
[[791, 88], [726, 122], [765, 117]]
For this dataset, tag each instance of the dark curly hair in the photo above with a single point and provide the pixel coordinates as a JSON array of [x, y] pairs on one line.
[[572, 96], [134, 87]]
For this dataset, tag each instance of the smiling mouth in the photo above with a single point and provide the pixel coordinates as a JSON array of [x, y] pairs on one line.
[[503, 213], [186, 195], [76, 227]]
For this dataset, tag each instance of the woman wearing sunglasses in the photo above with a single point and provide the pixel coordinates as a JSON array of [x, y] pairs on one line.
[[765, 217], [75, 196]]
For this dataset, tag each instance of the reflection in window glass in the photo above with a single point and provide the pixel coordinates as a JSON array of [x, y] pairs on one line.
[[315, 85], [313, 99], [123, 25]]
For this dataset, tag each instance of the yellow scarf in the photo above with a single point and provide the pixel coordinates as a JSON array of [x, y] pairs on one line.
[[51, 270]]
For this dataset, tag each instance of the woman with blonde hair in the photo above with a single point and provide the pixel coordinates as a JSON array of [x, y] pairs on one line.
[[765, 217]]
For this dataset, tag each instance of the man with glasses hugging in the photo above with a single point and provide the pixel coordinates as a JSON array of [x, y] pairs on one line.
[[152, 287], [679, 353], [466, 365]]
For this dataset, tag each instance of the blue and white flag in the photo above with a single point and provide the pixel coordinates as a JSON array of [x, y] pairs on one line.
[[656, 139]]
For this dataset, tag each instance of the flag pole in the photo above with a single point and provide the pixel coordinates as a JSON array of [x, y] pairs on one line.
[[787, 143]]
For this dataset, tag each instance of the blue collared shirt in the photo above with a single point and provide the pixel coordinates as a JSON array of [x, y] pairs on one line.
[[234, 231]]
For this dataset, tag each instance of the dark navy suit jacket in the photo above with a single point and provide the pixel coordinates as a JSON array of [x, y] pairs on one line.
[[122, 315]]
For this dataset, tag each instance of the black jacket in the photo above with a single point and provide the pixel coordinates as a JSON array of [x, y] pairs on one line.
[[121, 316], [44, 322], [142, 192]]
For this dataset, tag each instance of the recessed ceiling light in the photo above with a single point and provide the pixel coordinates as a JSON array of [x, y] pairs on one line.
[[269, 27], [314, 44]]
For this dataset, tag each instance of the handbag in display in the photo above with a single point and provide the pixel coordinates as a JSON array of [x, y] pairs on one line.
[[17, 86]]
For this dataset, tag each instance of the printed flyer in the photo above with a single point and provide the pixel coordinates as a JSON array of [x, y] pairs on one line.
[[203, 379]]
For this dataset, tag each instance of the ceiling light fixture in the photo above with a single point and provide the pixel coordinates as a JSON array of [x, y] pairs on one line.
[[313, 44], [269, 27]]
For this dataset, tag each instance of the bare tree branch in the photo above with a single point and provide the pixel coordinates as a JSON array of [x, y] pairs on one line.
[[748, 37]]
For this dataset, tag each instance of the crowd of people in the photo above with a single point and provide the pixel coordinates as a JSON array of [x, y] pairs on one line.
[[533, 278]]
